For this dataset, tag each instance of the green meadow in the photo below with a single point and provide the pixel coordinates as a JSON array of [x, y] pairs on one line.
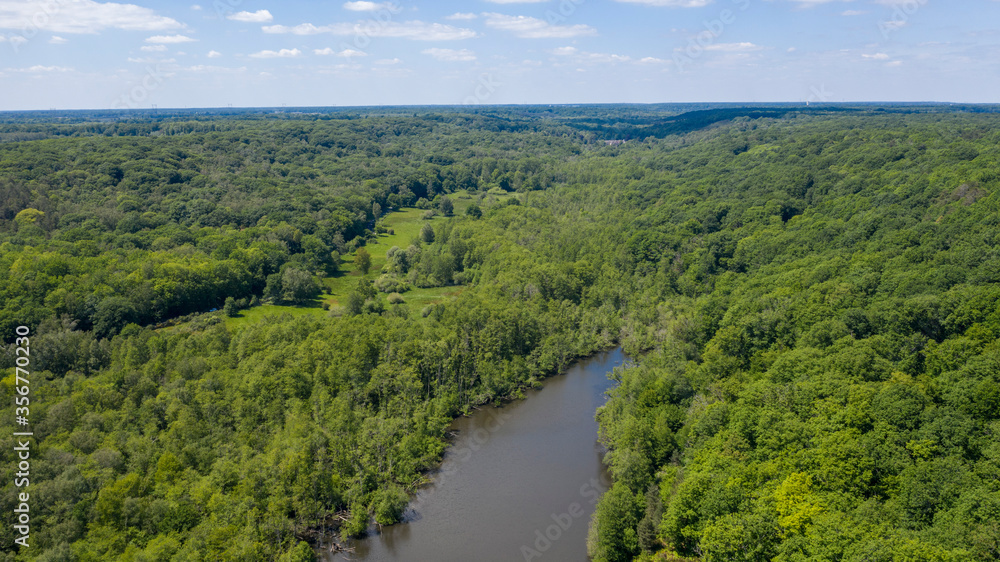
[[405, 225]]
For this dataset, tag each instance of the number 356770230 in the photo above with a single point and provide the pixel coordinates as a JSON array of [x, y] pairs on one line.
[[22, 353]]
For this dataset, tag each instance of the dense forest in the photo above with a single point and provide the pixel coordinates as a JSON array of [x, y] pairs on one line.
[[812, 297]]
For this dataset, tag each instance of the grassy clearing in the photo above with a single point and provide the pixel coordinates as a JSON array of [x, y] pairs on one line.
[[258, 314], [406, 225], [419, 298], [463, 199]]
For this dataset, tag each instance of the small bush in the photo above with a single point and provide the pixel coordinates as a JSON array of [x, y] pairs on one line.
[[391, 284], [396, 298], [373, 306], [389, 505]]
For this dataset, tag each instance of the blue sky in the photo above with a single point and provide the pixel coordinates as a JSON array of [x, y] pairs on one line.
[[75, 54]]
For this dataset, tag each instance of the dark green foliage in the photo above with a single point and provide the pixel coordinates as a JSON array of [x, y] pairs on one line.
[[112, 314], [830, 356], [354, 303]]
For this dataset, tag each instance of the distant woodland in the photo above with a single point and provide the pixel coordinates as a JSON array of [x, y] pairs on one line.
[[228, 357]]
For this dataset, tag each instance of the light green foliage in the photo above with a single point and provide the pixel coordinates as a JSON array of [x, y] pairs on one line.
[[427, 234], [362, 261], [795, 503], [389, 504], [28, 217], [391, 284], [229, 308], [301, 552]]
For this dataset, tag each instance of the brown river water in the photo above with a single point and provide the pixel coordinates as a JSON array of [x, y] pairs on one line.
[[519, 483]]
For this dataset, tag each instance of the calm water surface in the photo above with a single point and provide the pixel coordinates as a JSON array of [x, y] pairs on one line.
[[519, 482]]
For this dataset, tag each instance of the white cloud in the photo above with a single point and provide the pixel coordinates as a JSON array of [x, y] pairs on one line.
[[674, 3], [346, 53], [734, 47], [852, 13], [581, 57], [652, 60], [301, 29], [388, 62], [40, 68], [517, 1], [370, 6], [153, 48], [169, 39], [149, 60], [56, 40], [876, 56], [534, 28], [81, 16], [813, 2], [196, 7], [213, 69], [415, 30], [213, 54], [451, 55], [283, 54], [605, 57], [260, 16], [461, 16]]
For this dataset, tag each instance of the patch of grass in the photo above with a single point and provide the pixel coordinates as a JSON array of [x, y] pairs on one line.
[[496, 196], [405, 224], [259, 313], [418, 298]]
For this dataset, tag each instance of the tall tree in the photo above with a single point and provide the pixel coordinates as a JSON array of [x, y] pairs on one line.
[[362, 261]]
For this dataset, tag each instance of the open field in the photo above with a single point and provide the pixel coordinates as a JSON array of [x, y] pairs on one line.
[[405, 225]]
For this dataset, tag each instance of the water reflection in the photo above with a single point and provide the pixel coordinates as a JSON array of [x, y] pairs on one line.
[[519, 482]]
